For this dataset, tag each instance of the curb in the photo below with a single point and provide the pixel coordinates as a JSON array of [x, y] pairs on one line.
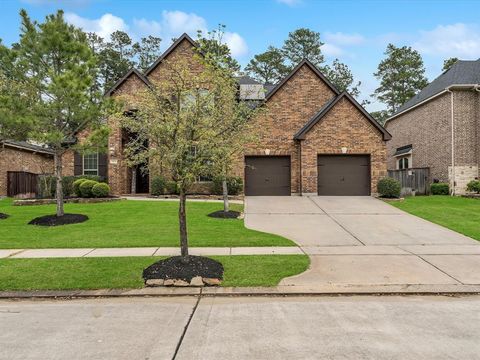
[[448, 290]]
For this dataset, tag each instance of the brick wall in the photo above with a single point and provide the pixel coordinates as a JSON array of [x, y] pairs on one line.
[[12, 159], [287, 111], [343, 126]]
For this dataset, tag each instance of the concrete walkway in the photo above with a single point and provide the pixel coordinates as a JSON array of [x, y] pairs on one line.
[[362, 241], [147, 251]]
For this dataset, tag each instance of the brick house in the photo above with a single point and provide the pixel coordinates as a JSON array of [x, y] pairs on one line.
[[313, 139], [439, 128], [23, 156]]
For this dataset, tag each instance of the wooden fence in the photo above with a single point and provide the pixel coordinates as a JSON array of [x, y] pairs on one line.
[[415, 181], [21, 184]]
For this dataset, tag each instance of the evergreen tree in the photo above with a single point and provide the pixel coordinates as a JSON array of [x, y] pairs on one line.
[[268, 67], [447, 63], [302, 44]]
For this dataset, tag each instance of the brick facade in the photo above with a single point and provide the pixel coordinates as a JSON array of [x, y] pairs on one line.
[[429, 129], [14, 159], [288, 109]]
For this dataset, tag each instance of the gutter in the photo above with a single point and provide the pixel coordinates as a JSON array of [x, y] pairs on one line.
[[459, 86]]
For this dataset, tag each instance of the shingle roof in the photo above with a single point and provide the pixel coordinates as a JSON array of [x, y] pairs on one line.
[[27, 146], [462, 72]]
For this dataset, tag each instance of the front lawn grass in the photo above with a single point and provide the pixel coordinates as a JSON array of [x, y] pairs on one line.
[[128, 223], [126, 272], [456, 213]]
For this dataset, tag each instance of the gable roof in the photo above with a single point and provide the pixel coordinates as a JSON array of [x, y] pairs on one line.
[[23, 145], [294, 71], [132, 71], [461, 73], [300, 135], [169, 50]]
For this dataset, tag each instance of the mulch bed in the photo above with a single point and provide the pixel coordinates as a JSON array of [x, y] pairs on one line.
[[225, 215], [3, 216], [53, 220], [176, 267]]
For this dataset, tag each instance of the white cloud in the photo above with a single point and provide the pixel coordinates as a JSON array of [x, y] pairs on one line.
[[340, 38], [236, 43], [103, 26], [172, 24], [290, 2], [331, 50], [460, 40]]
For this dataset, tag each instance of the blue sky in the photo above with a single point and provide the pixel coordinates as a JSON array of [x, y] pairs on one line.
[[356, 32]]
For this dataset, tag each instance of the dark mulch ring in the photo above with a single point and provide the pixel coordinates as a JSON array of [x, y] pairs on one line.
[[225, 215], [3, 216], [53, 220], [176, 267]]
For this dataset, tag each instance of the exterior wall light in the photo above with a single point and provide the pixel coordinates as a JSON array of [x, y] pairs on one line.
[[344, 150], [267, 151]]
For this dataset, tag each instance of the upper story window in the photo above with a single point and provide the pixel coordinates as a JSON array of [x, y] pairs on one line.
[[90, 164]]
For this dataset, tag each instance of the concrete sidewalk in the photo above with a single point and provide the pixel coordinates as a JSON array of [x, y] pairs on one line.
[[146, 251]]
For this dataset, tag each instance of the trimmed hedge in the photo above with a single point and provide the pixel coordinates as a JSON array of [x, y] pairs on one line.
[[389, 188], [100, 190], [171, 188], [76, 186], [86, 188], [474, 186], [158, 186], [440, 189], [234, 185], [47, 185]]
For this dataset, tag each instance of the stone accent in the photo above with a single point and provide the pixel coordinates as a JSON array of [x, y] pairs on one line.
[[196, 281], [180, 282], [154, 282], [14, 159], [463, 175]]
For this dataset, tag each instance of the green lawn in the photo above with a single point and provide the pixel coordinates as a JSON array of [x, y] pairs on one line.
[[128, 224], [456, 213], [124, 273]]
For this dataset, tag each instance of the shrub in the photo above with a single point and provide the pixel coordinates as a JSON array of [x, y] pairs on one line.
[[76, 186], [439, 189], [389, 188], [86, 188], [171, 187], [234, 185], [100, 189], [158, 186], [474, 186]]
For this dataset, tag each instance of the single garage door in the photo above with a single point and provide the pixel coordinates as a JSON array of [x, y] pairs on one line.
[[343, 175], [267, 175]]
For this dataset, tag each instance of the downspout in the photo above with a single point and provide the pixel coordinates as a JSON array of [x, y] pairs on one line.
[[452, 140], [300, 188], [477, 88]]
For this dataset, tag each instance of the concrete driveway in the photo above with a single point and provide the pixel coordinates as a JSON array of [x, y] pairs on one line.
[[364, 241]]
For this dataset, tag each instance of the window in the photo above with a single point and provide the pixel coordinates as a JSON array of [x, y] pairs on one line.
[[90, 164], [403, 163]]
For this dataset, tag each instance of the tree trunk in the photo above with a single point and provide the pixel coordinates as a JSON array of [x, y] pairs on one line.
[[57, 158], [225, 195], [133, 190], [182, 220]]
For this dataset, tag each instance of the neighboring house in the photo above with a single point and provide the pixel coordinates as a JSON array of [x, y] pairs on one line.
[[23, 156], [313, 139], [445, 112]]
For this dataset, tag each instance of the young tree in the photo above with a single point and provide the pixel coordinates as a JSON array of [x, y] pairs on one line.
[[401, 75], [268, 67], [147, 51], [447, 63], [302, 44], [57, 65], [182, 118]]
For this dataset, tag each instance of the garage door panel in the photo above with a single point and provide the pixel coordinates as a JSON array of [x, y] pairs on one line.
[[343, 175], [267, 175]]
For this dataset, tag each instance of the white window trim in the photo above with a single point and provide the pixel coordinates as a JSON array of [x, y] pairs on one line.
[[90, 170], [403, 156]]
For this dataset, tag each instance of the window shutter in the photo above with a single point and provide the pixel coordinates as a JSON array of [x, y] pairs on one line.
[[102, 165], [77, 164]]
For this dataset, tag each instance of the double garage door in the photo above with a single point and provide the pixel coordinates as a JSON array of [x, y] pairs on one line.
[[337, 175]]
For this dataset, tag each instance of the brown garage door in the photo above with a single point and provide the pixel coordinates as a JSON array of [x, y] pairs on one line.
[[343, 175], [267, 175]]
